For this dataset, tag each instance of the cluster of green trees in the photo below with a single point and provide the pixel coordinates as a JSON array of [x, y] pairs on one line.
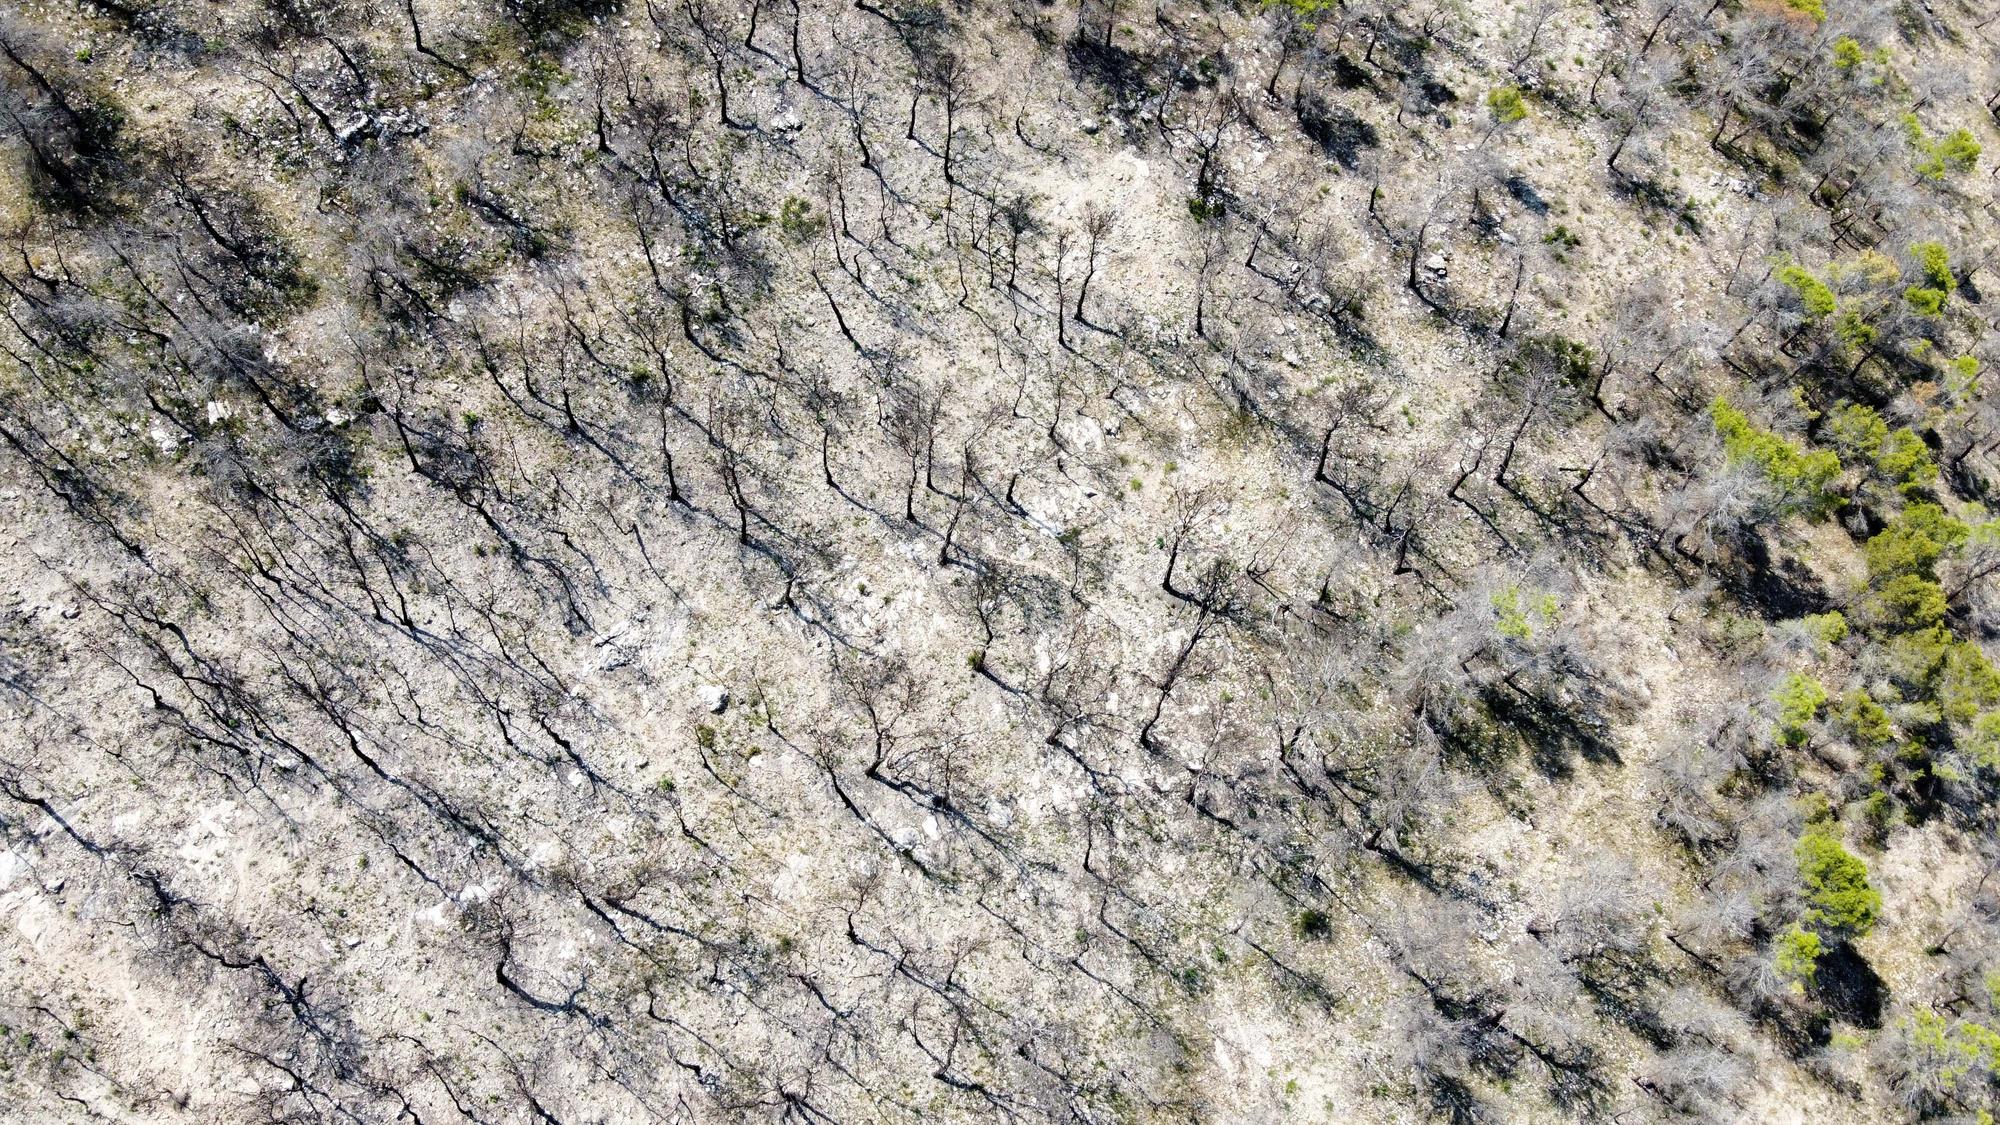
[[1921, 698]]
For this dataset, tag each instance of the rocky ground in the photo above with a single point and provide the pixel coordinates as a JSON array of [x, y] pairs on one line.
[[593, 562]]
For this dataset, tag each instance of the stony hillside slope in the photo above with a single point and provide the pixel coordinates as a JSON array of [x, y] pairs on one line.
[[576, 561]]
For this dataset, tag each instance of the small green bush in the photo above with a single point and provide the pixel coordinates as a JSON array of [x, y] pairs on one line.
[[1956, 152], [1965, 683], [1965, 375], [1925, 301], [1984, 743], [1913, 542], [1799, 700], [1801, 477], [1858, 431], [1908, 601], [797, 220], [1306, 8], [1934, 262], [1905, 459], [1952, 1052], [1854, 331], [1507, 104], [1916, 654], [1837, 889], [1313, 924], [1515, 616], [1798, 952], [1813, 293], [1830, 627], [1867, 722]]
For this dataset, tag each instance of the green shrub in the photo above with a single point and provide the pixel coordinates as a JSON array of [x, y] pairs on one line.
[[1878, 809], [1855, 331], [1313, 924], [1984, 743], [1840, 898], [1813, 293], [1956, 152], [1830, 627], [1934, 262], [1866, 720], [1507, 104], [1926, 302], [1913, 542], [1857, 430], [1905, 459], [797, 220], [1799, 700], [1908, 601], [1966, 682], [1916, 654], [1949, 1052], [1515, 616], [1563, 238], [1800, 477], [1204, 209], [1307, 8], [1798, 951]]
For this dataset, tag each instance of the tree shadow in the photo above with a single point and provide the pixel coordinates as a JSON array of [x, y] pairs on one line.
[[1337, 130], [1119, 71], [1555, 736], [1850, 987], [1525, 194], [1777, 587], [1618, 983]]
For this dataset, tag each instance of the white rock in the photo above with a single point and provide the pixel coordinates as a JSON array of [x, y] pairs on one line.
[[713, 698]]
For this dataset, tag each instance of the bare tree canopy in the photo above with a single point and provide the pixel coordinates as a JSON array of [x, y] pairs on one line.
[[782, 560]]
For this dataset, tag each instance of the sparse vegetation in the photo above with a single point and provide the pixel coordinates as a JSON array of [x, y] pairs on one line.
[[569, 561]]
